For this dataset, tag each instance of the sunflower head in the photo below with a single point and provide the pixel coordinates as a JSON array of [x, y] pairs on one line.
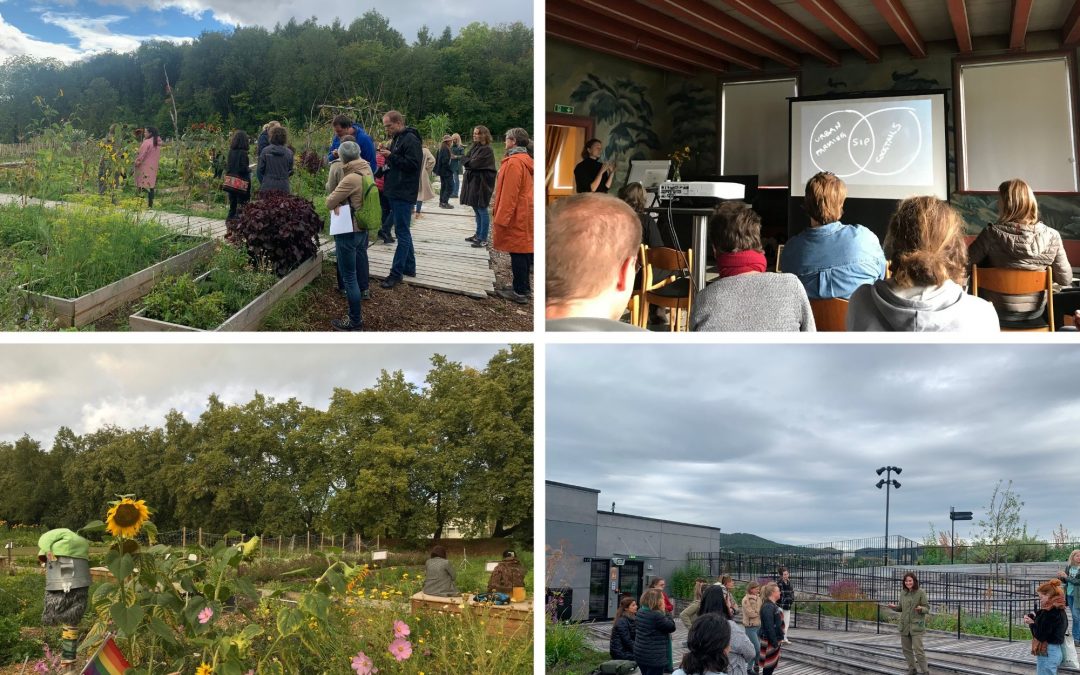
[[126, 517], [204, 669]]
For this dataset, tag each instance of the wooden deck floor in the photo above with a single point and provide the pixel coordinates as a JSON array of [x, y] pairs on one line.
[[444, 260]]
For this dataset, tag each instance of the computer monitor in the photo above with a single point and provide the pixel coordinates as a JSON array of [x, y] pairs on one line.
[[649, 172]]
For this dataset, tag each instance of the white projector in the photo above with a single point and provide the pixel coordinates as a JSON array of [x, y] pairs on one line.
[[669, 190]]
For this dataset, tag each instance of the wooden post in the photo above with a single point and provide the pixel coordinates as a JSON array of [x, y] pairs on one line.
[[309, 541], [183, 537], [322, 540], [279, 546], [200, 537]]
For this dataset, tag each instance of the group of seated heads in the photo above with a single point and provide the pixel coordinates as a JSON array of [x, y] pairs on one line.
[[593, 239]]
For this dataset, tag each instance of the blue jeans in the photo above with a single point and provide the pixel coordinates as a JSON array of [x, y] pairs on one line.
[[1073, 608], [1048, 665], [352, 262], [483, 223], [752, 633], [457, 185], [404, 255]]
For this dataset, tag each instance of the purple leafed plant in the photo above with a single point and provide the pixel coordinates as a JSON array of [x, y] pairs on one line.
[[311, 161], [845, 590], [278, 230]]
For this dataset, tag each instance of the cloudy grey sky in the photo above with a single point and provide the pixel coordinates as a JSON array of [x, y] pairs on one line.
[[783, 440], [71, 29], [86, 387]]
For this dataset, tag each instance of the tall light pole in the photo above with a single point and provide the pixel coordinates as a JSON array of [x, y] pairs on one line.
[[888, 482]]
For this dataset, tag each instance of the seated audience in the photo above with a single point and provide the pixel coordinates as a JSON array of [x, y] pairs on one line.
[[925, 247], [507, 575], [1019, 240], [830, 258], [439, 575], [746, 297], [591, 250], [634, 195]]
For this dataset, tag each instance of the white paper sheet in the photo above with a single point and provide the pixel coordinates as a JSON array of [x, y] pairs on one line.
[[342, 222]]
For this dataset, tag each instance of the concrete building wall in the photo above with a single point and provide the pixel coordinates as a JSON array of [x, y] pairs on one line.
[[570, 537], [663, 545]]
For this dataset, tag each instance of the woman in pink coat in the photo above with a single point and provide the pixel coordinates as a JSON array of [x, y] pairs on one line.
[[146, 163]]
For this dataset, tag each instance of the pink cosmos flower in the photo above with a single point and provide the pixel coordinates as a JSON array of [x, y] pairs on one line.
[[363, 665], [206, 615], [401, 649], [401, 629]]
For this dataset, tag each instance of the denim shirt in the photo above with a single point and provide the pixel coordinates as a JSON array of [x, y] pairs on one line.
[[833, 260]]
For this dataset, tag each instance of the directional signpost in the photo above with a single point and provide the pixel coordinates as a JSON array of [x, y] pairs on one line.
[[954, 516]]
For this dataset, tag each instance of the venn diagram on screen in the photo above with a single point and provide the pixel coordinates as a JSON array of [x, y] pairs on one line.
[[849, 143]]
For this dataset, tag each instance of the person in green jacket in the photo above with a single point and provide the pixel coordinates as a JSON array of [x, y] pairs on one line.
[[66, 557], [1070, 576], [914, 606]]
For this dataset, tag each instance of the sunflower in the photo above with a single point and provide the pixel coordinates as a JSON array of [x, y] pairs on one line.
[[126, 517], [204, 669]]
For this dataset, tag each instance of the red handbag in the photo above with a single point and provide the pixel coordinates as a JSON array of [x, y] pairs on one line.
[[234, 184]]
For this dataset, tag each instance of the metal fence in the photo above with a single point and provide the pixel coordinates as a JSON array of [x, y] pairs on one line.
[[293, 544], [829, 577]]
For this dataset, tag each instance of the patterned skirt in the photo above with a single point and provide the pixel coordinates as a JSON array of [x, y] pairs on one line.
[[770, 654]]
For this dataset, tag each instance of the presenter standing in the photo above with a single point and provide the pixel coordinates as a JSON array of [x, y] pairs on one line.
[[590, 174]]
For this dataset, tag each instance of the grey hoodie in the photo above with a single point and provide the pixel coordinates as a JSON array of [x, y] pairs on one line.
[[880, 307], [1024, 247]]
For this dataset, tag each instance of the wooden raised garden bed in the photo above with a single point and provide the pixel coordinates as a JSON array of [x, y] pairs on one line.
[[505, 620], [77, 312], [249, 318]]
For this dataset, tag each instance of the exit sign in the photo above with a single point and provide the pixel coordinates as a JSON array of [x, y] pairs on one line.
[[568, 109]]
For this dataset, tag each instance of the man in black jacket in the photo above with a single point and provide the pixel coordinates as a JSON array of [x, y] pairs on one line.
[[404, 161]]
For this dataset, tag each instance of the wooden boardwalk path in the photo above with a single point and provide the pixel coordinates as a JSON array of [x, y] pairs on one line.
[[444, 260]]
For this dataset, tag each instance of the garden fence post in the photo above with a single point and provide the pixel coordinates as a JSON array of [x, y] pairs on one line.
[[322, 540], [279, 545], [309, 541], [183, 537], [200, 537]]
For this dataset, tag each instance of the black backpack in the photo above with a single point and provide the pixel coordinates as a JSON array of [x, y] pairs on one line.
[[616, 667]]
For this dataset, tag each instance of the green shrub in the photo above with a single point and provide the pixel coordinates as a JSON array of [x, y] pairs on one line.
[[682, 580], [13, 648], [564, 642]]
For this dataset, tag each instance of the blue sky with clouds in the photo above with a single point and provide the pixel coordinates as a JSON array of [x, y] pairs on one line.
[[68, 30]]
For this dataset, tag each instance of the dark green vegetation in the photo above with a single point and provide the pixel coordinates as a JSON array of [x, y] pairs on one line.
[[396, 459], [483, 75]]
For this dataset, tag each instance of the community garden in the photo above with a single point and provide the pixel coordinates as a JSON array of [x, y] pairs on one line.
[[275, 537], [69, 138]]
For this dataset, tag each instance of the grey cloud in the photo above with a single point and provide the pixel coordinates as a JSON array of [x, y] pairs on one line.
[[48, 386], [783, 440]]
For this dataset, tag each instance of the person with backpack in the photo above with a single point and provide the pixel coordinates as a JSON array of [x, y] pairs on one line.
[[355, 187]]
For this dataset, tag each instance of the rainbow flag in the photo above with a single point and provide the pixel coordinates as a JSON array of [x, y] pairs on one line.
[[108, 661]]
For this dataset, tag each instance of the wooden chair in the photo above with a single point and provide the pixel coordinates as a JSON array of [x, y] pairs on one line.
[[779, 252], [1069, 320], [1015, 282], [830, 314], [673, 291], [634, 304]]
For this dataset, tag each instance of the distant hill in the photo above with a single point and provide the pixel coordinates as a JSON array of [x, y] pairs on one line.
[[738, 541]]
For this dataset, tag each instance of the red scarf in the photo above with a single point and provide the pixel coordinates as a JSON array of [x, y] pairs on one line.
[[730, 264]]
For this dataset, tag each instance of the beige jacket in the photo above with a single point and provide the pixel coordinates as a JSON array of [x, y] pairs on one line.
[[350, 188], [426, 192], [751, 610], [1025, 247]]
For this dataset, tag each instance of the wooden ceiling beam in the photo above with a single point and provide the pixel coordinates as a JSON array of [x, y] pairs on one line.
[[838, 21], [658, 23], [959, 17], [575, 36], [1021, 15], [701, 15], [896, 15], [633, 38], [790, 30], [1070, 32]]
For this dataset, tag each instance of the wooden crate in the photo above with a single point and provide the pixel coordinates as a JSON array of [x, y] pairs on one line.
[[77, 312], [101, 574], [506, 620], [249, 318]]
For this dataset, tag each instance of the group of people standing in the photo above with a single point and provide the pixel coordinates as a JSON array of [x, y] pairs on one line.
[[716, 643]]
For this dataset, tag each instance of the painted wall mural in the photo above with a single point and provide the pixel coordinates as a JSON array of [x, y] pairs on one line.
[[623, 107], [692, 104]]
